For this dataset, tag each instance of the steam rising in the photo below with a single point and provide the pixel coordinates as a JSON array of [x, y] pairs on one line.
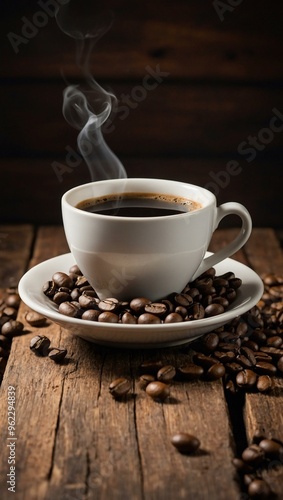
[[86, 107]]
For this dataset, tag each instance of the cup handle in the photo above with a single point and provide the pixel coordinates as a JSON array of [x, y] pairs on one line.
[[230, 208]]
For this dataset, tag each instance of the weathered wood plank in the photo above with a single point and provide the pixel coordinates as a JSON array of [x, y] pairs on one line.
[[15, 248], [189, 40], [91, 445]]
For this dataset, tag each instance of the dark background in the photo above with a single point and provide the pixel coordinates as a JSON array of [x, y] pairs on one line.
[[225, 80]]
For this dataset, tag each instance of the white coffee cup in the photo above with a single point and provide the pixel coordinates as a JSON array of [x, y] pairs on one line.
[[127, 257]]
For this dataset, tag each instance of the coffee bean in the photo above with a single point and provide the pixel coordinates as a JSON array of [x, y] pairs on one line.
[[57, 354], [244, 361], [40, 345], [258, 488], [250, 344], [246, 378], [144, 380], [110, 305], [75, 270], [13, 300], [12, 327], [157, 308], [272, 449], [204, 285], [215, 372], [119, 387], [81, 282], [264, 368], [183, 299], [190, 371], [35, 319], [203, 360], [91, 315], [173, 318], [60, 297], [253, 455], [210, 342], [108, 317], [10, 312], [196, 311], [224, 357], [242, 466], [137, 305], [49, 288], [71, 309], [272, 351], [182, 311], [222, 301], [87, 302], [235, 283], [128, 318], [158, 390], [147, 318], [233, 367], [274, 341], [280, 364], [185, 443], [264, 383], [214, 310], [249, 354], [62, 279], [166, 373]]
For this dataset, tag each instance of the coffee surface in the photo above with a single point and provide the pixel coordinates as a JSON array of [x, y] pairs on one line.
[[138, 205]]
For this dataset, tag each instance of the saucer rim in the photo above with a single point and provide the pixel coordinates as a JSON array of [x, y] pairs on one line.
[[249, 294]]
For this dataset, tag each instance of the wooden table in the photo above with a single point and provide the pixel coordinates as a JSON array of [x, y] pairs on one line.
[[75, 442]]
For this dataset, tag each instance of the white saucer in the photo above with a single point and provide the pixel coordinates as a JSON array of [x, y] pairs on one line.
[[136, 336]]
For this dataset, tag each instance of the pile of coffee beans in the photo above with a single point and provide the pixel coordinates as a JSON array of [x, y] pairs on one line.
[[9, 326], [207, 296], [249, 349], [40, 345], [264, 453]]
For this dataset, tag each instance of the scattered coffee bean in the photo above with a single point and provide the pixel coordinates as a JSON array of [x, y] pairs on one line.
[[62, 279], [259, 488], [166, 373], [246, 378], [271, 448], [119, 387], [190, 371], [185, 443], [264, 383], [40, 345], [158, 390], [57, 354], [35, 319], [215, 372], [253, 455], [12, 327], [144, 380]]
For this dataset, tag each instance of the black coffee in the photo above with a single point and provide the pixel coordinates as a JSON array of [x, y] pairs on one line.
[[139, 205]]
